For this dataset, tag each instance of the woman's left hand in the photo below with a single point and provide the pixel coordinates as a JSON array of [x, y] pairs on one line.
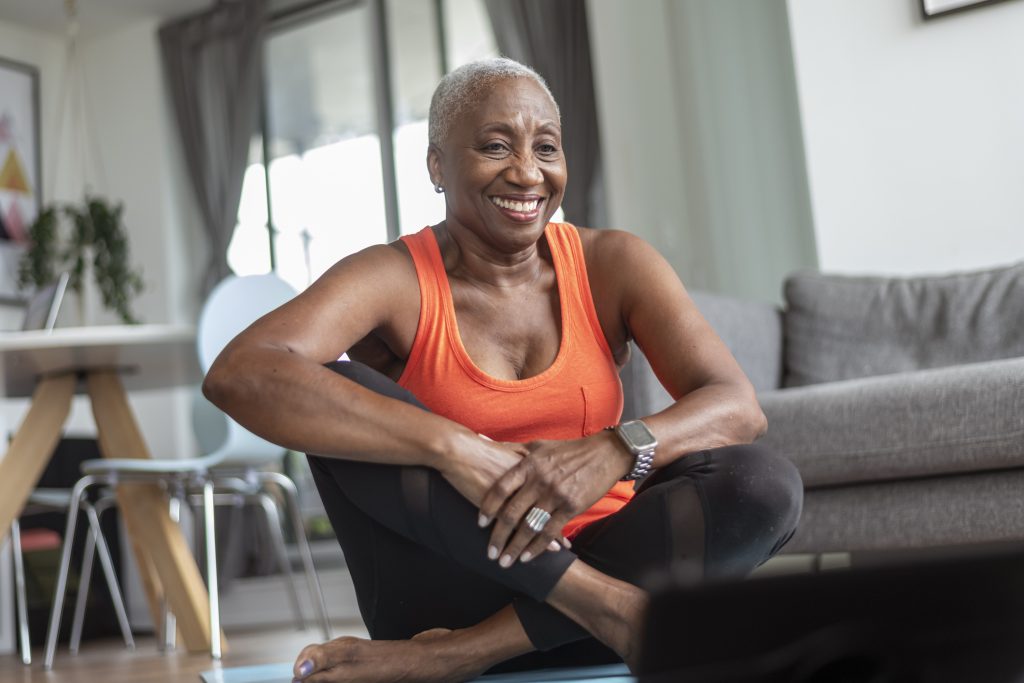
[[563, 478]]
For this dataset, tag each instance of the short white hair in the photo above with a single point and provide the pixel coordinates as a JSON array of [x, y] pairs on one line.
[[462, 87]]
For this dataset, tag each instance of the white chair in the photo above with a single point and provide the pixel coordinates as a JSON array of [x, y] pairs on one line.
[[20, 595], [177, 477], [43, 499], [232, 306]]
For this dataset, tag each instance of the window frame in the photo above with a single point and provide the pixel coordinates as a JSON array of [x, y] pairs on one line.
[[314, 10]]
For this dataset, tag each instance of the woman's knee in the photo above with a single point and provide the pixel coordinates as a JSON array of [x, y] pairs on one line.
[[764, 481]]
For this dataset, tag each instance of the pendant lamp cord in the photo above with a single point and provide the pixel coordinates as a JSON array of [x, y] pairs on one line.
[[73, 101]]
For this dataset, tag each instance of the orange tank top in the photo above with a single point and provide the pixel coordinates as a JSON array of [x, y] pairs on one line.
[[579, 394]]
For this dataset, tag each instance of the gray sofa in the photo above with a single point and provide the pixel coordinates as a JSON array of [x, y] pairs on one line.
[[901, 401]]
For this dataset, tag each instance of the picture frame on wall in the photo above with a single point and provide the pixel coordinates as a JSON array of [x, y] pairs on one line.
[[20, 168], [937, 8]]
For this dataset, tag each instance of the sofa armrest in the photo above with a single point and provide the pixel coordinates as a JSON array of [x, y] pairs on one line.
[[964, 418]]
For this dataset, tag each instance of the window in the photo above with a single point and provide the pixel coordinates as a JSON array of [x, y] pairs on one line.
[[327, 191]]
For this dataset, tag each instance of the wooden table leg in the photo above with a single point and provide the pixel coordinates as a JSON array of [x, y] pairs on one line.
[[156, 540], [33, 445]]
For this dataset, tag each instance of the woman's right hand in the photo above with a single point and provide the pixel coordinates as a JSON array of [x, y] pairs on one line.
[[477, 463], [474, 463]]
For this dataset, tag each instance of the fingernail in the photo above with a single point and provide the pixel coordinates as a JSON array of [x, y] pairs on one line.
[[483, 521], [526, 557], [492, 552], [554, 546], [305, 668], [506, 561], [567, 542]]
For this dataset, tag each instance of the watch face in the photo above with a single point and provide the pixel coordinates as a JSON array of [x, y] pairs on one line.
[[638, 435]]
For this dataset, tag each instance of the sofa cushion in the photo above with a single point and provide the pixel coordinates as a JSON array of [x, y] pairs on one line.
[[841, 327], [917, 424]]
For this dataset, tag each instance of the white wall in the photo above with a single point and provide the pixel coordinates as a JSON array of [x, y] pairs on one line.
[[914, 133], [701, 138], [137, 135]]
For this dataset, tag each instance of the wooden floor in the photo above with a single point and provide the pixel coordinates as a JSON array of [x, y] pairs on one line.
[[108, 661]]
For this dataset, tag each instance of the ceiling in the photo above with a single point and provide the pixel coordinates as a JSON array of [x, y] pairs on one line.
[[95, 16]]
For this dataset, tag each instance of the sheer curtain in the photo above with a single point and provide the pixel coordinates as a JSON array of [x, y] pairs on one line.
[[213, 65], [551, 36]]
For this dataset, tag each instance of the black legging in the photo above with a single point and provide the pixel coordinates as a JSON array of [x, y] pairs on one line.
[[419, 561]]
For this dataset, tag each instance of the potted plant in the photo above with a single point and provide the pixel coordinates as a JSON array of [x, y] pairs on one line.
[[77, 238]]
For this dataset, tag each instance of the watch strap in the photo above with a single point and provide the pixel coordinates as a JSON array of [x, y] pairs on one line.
[[643, 462]]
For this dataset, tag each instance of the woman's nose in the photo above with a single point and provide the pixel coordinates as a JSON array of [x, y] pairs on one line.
[[524, 171]]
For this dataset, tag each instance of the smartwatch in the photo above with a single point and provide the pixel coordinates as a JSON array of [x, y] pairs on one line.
[[639, 441]]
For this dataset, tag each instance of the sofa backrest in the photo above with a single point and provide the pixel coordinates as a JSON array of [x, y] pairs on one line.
[[751, 330], [842, 327]]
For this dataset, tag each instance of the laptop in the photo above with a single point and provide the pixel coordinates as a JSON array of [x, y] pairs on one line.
[[925, 620], [43, 307]]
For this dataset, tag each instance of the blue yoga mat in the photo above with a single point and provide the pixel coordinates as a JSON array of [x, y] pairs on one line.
[[282, 673]]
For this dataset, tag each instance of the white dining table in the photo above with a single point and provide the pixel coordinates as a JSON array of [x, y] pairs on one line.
[[106, 362]]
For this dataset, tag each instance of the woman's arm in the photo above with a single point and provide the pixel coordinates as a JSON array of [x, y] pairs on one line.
[[715, 404], [272, 379]]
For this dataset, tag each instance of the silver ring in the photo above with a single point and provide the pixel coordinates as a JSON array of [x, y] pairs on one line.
[[537, 519]]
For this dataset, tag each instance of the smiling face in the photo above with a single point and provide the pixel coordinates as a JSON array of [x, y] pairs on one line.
[[502, 166]]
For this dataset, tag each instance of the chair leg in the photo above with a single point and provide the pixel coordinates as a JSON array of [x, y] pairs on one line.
[[84, 584], [169, 623], [106, 562], [291, 497], [269, 506], [77, 495], [211, 569], [20, 593]]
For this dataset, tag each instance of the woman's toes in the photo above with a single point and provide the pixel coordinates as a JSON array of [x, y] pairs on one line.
[[305, 663], [317, 658]]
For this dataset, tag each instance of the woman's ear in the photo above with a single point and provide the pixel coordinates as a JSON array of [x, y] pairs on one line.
[[434, 166]]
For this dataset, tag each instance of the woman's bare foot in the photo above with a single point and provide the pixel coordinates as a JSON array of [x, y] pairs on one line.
[[437, 654], [434, 656]]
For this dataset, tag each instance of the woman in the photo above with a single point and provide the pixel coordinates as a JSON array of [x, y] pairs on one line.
[[484, 509]]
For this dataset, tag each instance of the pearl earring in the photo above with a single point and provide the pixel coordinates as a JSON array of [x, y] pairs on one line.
[[438, 189]]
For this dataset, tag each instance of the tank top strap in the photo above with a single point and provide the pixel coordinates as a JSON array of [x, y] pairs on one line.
[[564, 238], [426, 258]]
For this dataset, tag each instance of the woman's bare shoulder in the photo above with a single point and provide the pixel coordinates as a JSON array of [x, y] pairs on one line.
[[369, 267], [614, 253], [372, 290]]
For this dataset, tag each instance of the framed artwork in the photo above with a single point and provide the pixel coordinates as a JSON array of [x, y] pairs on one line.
[[20, 174], [935, 8]]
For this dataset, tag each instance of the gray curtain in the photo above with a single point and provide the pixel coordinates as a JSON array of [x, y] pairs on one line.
[[551, 36], [213, 65]]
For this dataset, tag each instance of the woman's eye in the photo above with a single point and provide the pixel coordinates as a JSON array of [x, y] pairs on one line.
[[547, 150], [494, 147]]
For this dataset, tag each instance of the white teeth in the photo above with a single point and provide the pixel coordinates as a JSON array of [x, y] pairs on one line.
[[520, 207]]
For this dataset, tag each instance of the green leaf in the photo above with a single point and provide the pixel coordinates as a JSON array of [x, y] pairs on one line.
[[61, 238]]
